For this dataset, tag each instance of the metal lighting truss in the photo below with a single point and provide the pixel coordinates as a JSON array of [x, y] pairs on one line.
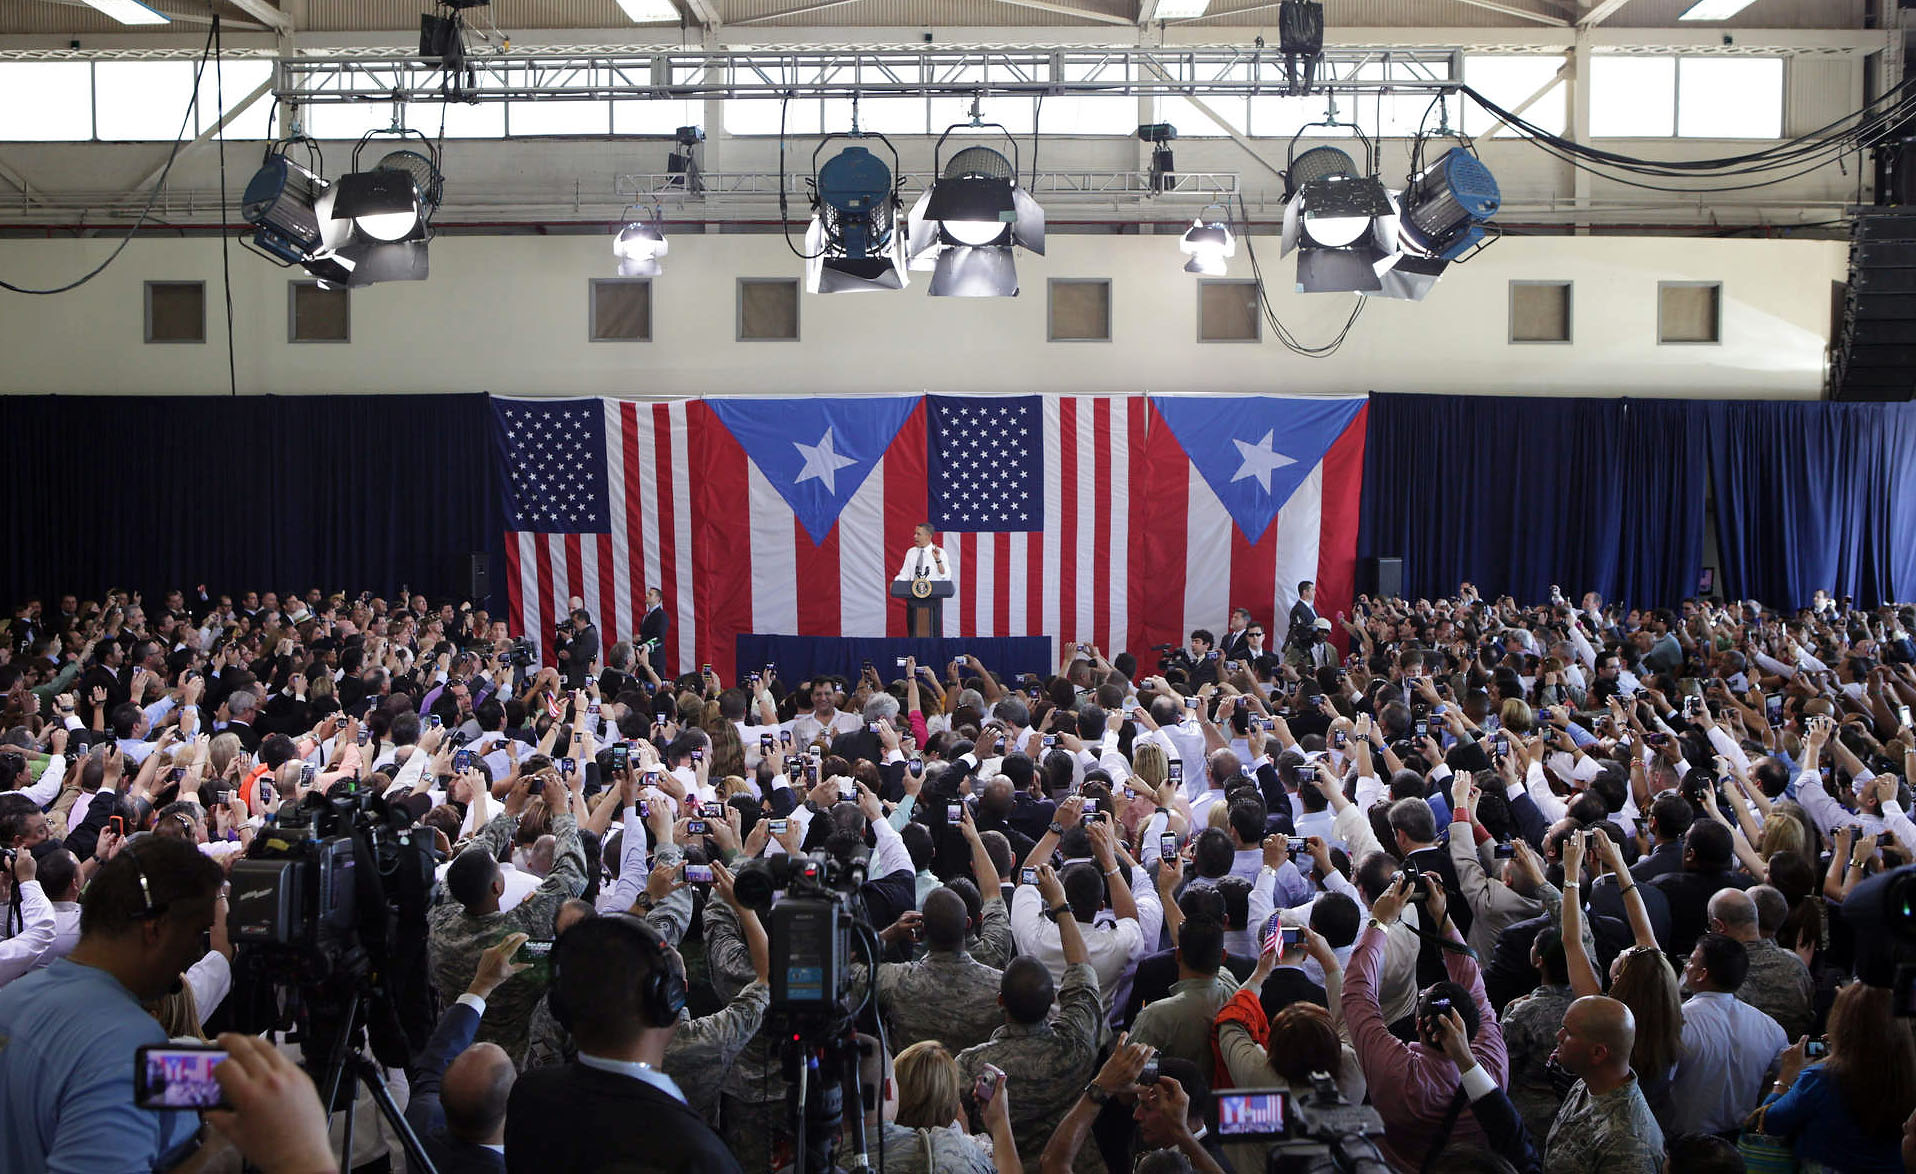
[[1207, 185], [692, 74]]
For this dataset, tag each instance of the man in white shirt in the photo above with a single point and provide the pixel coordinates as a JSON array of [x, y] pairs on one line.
[[925, 559], [1112, 949], [59, 877], [1728, 1045], [824, 717], [21, 952]]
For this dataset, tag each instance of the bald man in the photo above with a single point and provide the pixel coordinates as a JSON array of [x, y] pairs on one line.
[[1779, 983], [1605, 1125], [459, 1088]]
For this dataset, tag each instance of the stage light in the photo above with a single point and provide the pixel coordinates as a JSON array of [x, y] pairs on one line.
[[853, 244], [130, 12], [1333, 212], [1209, 244], [281, 199], [965, 226], [375, 223], [1441, 219], [1715, 9], [639, 245]]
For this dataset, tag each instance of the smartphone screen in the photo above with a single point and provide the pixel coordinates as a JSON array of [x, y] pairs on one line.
[[698, 874], [171, 1076], [1258, 1113], [532, 951], [1027, 876], [955, 812], [1176, 771], [1168, 844], [781, 826], [462, 761]]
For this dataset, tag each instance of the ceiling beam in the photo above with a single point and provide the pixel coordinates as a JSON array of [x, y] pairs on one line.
[[1147, 11], [1602, 12], [1522, 13], [19, 181], [265, 13], [704, 12], [799, 11], [1068, 10]]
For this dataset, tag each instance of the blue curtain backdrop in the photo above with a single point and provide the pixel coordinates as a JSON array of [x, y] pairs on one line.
[[1815, 495], [364, 492], [1514, 494]]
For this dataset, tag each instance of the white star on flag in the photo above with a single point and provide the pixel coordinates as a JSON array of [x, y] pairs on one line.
[[1259, 459], [821, 462]]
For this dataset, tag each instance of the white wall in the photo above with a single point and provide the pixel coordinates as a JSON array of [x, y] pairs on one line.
[[508, 315]]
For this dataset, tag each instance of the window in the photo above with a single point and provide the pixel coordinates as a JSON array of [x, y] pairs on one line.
[[1540, 311], [1080, 310], [1689, 313], [176, 311], [767, 309], [48, 101], [1228, 311], [621, 309], [236, 79], [1691, 97], [558, 117], [1632, 97], [461, 120], [1509, 82], [145, 100], [1730, 97], [317, 315]]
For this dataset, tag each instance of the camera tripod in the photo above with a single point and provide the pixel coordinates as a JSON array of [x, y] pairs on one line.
[[821, 1068], [343, 1066]]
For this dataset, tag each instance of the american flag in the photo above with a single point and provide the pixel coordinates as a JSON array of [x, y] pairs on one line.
[[1117, 521], [599, 507]]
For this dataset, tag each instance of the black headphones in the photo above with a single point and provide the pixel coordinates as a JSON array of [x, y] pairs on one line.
[[661, 994]]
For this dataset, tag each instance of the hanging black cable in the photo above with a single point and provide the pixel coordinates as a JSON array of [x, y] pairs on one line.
[[226, 263], [159, 185], [1283, 333]]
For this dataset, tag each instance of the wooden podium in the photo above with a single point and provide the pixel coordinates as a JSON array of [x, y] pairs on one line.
[[924, 605]]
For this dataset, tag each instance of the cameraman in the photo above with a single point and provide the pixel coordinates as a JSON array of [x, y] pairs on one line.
[[70, 1030], [579, 650]]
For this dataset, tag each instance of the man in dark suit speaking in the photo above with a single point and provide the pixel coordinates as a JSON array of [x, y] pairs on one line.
[[618, 989]]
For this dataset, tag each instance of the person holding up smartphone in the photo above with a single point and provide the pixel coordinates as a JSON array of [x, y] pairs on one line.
[[73, 1027]]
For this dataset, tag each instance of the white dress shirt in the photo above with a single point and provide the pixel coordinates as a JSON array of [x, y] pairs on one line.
[[806, 726], [1111, 949], [1728, 1047], [926, 562], [21, 952], [66, 933]]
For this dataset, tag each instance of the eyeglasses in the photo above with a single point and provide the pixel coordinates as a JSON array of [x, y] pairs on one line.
[[1254, 632]]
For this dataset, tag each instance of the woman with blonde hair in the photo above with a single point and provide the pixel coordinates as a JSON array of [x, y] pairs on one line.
[[1517, 716], [926, 1134]]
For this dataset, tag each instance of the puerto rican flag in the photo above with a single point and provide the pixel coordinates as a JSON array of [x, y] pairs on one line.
[[1244, 497]]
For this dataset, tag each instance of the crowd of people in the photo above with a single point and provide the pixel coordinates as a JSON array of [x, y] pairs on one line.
[[1569, 887]]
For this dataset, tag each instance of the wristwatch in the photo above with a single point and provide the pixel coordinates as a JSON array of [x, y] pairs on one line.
[[1096, 1095], [645, 901], [1056, 828], [1053, 914]]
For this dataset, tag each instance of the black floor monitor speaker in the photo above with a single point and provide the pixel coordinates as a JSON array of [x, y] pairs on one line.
[[1380, 576], [478, 577]]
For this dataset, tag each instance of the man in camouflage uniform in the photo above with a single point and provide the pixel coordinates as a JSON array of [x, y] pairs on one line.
[[1530, 1036], [947, 995], [1605, 1125], [468, 920], [1779, 983], [1047, 1062]]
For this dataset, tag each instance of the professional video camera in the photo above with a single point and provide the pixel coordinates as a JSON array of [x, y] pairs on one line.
[[1318, 1132], [328, 924], [521, 653], [813, 929]]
